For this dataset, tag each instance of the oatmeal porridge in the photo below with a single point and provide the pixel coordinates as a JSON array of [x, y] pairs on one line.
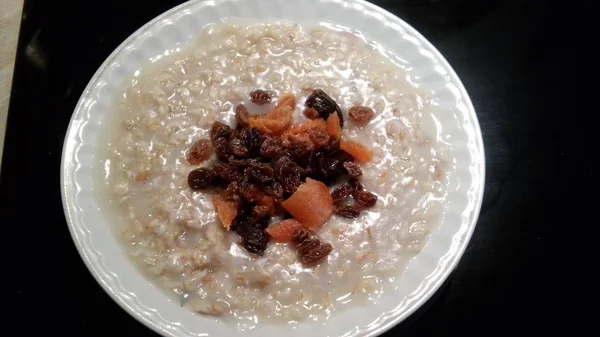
[[273, 172]]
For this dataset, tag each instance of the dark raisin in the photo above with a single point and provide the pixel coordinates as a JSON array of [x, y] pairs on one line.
[[272, 147], [317, 166], [341, 193], [334, 165], [260, 211], [201, 178], [275, 190], [310, 248], [256, 240], [353, 169], [356, 187], [349, 212], [301, 152], [231, 192], [226, 171], [238, 149], [260, 173], [250, 192], [260, 97], [316, 254], [289, 174], [365, 199], [241, 115], [251, 139], [219, 130], [222, 148], [243, 163], [361, 115], [324, 105], [318, 137], [311, 113], [199, 152]]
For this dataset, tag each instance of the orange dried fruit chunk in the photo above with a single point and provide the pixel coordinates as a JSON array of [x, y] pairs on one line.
[[277, 120], [226, 210], [311, 204], [282, 232], [333, 126], [359, 152]]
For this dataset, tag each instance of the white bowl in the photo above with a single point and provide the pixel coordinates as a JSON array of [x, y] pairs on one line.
[[106, 258]]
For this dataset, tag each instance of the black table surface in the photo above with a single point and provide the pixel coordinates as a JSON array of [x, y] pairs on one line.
[[520, 63]]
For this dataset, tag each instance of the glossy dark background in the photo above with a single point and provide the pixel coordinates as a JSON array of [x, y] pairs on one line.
[[520, 62]]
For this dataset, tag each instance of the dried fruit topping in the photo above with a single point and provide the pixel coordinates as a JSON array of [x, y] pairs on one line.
[[311, 113], [250, 192], [278, 120], [226, 171], [252, 140], [201, 178], [360, 153], [222, 148], [241, 115], [260, 97], [348, 212], [318, 137], [353, 169], [266, 166], [226, 210], [341, 193], [238, 149], [325, 105], [219, 130], [310, 249], [282, 232], [333, 126], [365, 199], [199, 152], [361, 115], [311, 204], [272, 147]]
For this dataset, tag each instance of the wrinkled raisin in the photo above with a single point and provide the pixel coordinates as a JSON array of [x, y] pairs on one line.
[[241, 115], [349, 212], [356, 187], [365, 199], [289, 174], [318, 137], [219, 130], [361, 115], [272, 147], [251, 139], [310, 248], [325, 105], [250, 192], [353, 169], [201, 178], [317, 166], [222, 148], [260, 211], [243, 163], [256, 240], [226, 171], [231, 192], [260, 97], [199, 152], [311, 113], [238, 149], [260, 173], [341, 193], [275, 190]]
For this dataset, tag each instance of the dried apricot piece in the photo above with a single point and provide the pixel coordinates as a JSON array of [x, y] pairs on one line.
[[226, 210], [311, 204], [282, 232], [333, 126], [359, 152], [277, 120]]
